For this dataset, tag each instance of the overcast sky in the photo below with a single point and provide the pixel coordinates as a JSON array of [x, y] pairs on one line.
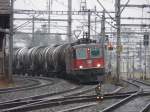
[[108, 4], [62, 4]]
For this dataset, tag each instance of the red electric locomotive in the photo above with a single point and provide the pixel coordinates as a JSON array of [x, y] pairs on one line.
[[87, 62]]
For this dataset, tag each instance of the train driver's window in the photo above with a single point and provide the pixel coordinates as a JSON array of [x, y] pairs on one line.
[[81, 53], [95, 52]]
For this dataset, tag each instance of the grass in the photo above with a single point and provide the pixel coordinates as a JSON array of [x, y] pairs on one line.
[[4, 83]]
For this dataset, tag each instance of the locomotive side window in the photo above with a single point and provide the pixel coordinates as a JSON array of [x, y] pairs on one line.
[[81, 53], [95, 52]]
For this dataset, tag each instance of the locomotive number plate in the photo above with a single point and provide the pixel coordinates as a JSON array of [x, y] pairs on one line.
[[89, 61]]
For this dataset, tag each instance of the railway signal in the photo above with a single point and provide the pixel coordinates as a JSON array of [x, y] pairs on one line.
[[110, 47], [98, 91]]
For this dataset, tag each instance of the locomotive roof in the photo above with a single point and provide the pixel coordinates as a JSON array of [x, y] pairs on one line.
[[87, 45]]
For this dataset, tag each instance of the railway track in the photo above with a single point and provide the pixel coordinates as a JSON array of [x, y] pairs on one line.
[[93, 104], [34, 104], [28, 90], [32, 99], [144, 85], [71, 92], [78, 107], [75, 95], [146, 108], [37, 83], [39, 102], [133, 99]]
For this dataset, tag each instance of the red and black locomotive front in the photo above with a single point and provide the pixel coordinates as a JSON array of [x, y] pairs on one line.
[[88, 62]]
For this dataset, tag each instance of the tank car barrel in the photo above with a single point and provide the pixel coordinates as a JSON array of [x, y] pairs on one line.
[[19, 60], [41, 58], [59, 57]]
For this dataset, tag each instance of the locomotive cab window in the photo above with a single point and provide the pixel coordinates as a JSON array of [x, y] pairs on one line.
[[95, 52], [81, 53]]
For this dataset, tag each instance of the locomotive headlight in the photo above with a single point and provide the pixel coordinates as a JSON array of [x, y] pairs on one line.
[[98, 65], [97, 97], [80, 67]]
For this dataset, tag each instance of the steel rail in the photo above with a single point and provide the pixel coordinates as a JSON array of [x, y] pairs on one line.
[[18, 102], [38, 101], [146, 108], [59, 94], [30, 101], [118, 104], [37, 97], [127, 99], [145, 83], [38, 84], [63, 101], [19, 88], [55, 102], [78, 107]]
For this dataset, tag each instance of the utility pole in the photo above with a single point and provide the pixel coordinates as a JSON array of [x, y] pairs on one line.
[[118, 13], [95, 27], [33, 26], [128, 60], [49, 15], [103, 30], [145, 62], [133, 64], [146, 43], [89, 23], [140, 54], [11, 42], [69, 20], [128, 57]]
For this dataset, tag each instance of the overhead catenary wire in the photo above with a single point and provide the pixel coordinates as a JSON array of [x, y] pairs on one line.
[[106, 21], [124, 6], [105, 10], [27, 22]]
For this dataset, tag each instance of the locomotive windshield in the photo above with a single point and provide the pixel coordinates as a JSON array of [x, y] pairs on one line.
[[95, 52], [81, 53]]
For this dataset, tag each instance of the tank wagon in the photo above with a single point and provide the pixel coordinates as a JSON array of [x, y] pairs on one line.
[[82, 61]]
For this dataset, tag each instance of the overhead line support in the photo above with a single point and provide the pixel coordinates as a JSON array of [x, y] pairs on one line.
[[11, 43], [117, 9], [69, 31]]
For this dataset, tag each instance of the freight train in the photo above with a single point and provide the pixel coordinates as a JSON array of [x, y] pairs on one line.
[[82, 61]]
